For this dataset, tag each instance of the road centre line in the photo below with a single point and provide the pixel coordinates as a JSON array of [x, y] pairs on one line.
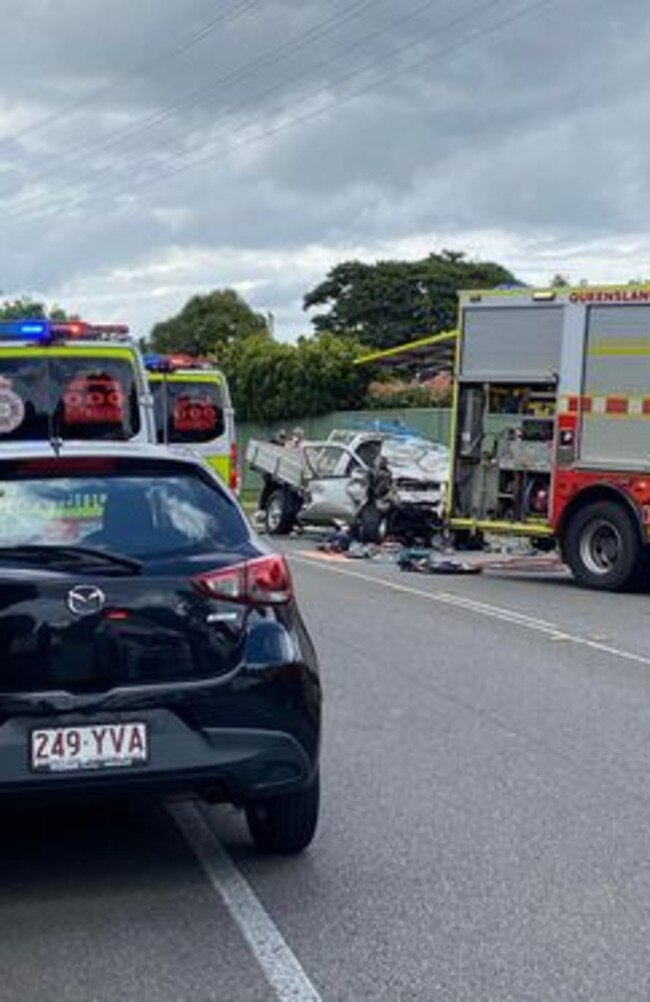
[[279, 964], [550, 630]]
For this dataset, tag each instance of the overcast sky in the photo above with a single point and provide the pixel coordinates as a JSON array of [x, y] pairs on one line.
[[151, 149]]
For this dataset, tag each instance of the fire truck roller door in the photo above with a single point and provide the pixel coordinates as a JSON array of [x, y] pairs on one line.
[[615, 405], [502, 343]]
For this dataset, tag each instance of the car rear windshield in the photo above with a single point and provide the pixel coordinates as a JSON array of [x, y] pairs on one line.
[[139, 513], [71, 398], [188, 410]]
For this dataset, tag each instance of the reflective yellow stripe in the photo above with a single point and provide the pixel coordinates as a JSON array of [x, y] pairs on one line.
[[76, 352], [221, 464], [611, 347], [516, 528], [178, 377]]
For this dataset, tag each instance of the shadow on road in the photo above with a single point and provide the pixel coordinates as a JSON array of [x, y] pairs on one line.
[[95, 847]]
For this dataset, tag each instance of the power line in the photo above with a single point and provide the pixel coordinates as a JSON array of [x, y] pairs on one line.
[[143, 126], [167, 55], [345, 98], [101, 172]]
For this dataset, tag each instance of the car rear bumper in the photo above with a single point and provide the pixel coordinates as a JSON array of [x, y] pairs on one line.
[[230, 764]]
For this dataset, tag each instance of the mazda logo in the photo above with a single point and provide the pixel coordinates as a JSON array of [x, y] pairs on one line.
[[84, 600]]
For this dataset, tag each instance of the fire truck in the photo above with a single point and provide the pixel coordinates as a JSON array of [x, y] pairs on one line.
[[551, 425]]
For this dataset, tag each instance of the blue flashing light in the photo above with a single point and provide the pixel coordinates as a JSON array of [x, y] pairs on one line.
[[155, 363], [397, 429], [24, 330]]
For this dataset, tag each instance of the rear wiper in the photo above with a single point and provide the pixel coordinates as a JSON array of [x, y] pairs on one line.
[[43, 551]]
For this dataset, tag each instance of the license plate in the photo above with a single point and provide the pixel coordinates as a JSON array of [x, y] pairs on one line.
[[100, 746]]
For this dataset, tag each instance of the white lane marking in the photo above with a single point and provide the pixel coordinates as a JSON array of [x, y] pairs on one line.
[[280, 966], [550, 630]]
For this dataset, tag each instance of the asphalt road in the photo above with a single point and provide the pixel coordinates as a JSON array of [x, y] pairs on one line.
[[485, 831]]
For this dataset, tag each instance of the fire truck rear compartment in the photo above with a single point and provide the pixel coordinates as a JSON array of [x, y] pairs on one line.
[[504, 452]]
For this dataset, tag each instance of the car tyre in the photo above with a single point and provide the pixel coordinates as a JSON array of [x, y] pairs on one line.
[[279, 513], [602, 547], [285, 823]]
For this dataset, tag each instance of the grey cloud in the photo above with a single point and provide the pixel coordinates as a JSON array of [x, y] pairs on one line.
[[537, 128]]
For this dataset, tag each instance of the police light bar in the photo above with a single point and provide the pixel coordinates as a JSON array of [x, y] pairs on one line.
[[170, 363], [44, 331], [82, 329]]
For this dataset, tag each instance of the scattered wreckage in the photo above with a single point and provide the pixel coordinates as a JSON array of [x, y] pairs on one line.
[[379, 484]]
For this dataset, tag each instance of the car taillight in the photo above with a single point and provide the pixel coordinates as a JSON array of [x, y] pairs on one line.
[[263, 581], [233, 479]]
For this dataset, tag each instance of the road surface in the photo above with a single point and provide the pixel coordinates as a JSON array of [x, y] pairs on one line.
[[485, 830]]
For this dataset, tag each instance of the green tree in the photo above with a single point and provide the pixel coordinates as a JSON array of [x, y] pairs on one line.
[[272, 381], [209, 325], [25, 308], [390, 302]]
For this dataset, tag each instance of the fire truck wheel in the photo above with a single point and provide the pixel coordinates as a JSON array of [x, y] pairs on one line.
[[602, 547], [279, 513], [463, 539]]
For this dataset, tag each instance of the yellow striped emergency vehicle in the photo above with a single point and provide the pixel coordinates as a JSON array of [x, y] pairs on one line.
[[72, 380], [192, 407]]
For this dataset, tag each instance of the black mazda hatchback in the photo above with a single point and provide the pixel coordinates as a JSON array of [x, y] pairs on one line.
[[148, 640]]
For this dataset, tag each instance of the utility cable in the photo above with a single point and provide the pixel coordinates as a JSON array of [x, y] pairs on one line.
[[17, 211], [137, 129], [168, 55], [352, 94]]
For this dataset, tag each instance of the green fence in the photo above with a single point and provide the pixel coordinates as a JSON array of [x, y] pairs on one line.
[[432, 422]]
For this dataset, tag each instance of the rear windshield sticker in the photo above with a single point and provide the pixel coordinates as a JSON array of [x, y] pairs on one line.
[[194, 415], [94, 400], [12, 409]]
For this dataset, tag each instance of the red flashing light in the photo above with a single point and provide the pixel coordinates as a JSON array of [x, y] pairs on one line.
[[69, 328]]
